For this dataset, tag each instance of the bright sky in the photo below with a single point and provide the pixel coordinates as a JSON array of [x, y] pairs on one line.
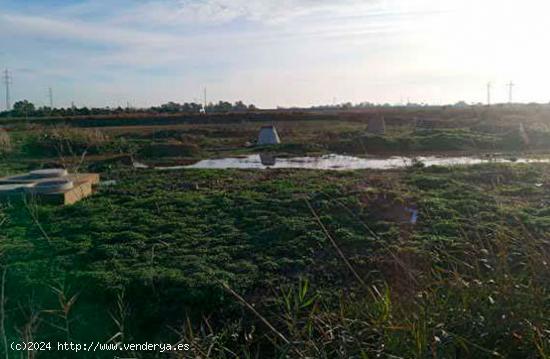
[[274, 52]]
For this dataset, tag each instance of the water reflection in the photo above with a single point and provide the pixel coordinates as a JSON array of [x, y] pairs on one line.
[[268, 159], [340, 162]]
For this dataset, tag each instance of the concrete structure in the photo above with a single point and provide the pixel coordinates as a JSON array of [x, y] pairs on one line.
[[268, 136], [54, 186], [376, 125], [523, 135]]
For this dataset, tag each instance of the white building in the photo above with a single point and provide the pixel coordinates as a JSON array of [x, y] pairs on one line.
[[268, 136], [376, 125]]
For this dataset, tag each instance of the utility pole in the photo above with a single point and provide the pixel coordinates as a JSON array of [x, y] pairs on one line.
[[510, 91], [489, 85], [50, 96], [7, 82], [205, 100]]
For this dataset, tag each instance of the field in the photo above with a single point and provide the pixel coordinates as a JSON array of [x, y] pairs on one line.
[[285, 263], [186, 138]]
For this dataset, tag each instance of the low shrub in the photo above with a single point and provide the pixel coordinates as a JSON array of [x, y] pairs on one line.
[[66, 141], [5, 142], [171, 149]]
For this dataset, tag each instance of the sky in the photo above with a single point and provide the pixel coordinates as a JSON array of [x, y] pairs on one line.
[[274, 52]]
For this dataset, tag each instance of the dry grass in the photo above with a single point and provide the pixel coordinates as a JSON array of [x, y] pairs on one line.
[[66, 134], [5, 142]]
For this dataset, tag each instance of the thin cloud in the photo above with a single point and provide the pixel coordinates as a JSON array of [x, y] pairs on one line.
[[218, 12], [273, 52], [79, 30], [124, 44]]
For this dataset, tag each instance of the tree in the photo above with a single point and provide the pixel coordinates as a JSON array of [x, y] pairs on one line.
[[170, 107], [23, 108], [461, 104], [239, 106]]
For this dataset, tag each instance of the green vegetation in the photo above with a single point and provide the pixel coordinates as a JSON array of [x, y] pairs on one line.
[[26, 109], [471, 278], [275, 263], [181, 138]]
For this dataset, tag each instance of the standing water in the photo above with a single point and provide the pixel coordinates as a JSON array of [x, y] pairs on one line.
[[341, 162]]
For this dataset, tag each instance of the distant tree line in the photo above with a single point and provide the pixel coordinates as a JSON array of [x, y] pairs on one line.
[[192, 107], [25, 108], [366, 105], [363, 105]]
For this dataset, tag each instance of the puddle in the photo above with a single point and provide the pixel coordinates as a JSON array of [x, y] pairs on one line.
[[139, 165], [341, 162]]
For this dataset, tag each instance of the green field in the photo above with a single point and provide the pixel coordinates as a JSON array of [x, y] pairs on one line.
[[329, 261], [185, 138]]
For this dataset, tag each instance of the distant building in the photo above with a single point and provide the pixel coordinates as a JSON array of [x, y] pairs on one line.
[[376, 125], [268, 136]]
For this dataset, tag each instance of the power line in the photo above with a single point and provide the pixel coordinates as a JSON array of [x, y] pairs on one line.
[[7, 81], [205, 100]]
